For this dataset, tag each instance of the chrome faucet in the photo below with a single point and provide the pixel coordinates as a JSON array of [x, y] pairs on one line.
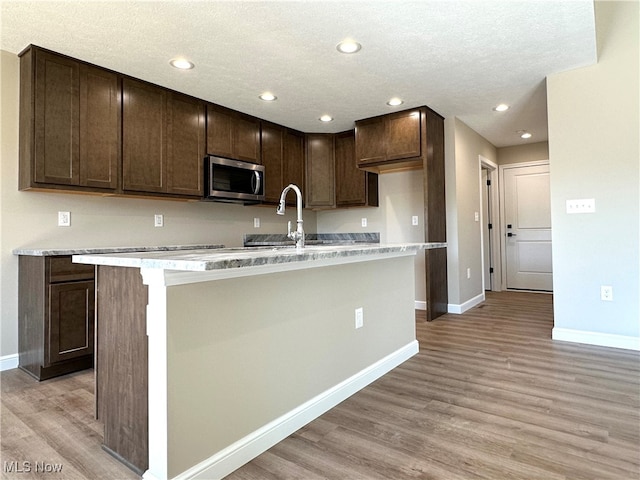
[[298, 235]]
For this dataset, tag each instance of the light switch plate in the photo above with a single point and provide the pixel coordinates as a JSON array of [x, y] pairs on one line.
[[158, 220], [582, 205]]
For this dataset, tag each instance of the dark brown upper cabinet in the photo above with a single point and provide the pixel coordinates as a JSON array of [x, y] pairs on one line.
[[283, 159], [186, 131], [389, 141], [320, 189], [354, 187], [69, 123], [232, 134], [163, 140]]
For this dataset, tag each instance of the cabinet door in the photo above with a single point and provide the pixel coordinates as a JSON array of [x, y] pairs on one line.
[[403, 135], [56, 150], [185, 145], [99, 127], [71, 307], [320, 171], [246, 138], [272, 159], [293, 166], [219, 131], [351, 188], [370, 141], [144, 137]]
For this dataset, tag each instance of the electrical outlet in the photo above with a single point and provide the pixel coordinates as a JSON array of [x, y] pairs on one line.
[[364, 222], [64, 219], [606, 293], [256, 222], [158, 220], [468, 273], [359, 317], [414, 220], [476, 216]]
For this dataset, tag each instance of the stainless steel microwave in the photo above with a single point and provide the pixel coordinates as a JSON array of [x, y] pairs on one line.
[[233, 181]]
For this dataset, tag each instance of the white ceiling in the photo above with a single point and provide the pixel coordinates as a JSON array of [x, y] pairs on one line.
[[461, 58]]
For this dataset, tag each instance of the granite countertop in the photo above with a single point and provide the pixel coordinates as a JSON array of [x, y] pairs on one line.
[[275, 239], [51, 251], [242, 257]]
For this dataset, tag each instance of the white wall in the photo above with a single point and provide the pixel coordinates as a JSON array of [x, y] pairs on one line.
[[401, 197], [463, 146], [527, 152], [30, 218], [594, 153]]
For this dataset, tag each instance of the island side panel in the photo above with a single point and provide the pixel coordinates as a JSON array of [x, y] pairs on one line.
[[122, 365], [243, 352]]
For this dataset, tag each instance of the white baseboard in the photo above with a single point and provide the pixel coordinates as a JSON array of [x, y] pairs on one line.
[[596, 338], [461, 308], [419, 305], [7, 362], [244, 450]]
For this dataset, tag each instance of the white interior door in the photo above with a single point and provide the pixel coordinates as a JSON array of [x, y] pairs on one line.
[[527, 219]]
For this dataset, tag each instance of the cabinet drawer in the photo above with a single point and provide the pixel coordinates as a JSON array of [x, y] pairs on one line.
[[62, 269]]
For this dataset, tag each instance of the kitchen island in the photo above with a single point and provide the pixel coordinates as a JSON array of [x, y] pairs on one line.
[[232, 350]]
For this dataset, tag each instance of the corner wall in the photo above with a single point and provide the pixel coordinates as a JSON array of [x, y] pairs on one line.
[[594, 153], [463, 146]]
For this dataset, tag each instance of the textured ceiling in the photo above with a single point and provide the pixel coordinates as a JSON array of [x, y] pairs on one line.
[[461, 58]]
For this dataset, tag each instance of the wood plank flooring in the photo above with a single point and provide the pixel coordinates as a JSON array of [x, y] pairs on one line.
[[491, 396], [488, 396]]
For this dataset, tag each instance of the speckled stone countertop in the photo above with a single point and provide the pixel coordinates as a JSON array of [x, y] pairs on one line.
[[49, 251], [273, 239], [243, 257]]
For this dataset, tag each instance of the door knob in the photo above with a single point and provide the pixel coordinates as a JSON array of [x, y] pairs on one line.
[[511, 234]]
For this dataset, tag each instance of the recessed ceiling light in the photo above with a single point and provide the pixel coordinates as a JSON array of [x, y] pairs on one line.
[[267, 97], [326, 118], [394, 102], [181, 63], [348, 46], [524, 134], [503, 107]]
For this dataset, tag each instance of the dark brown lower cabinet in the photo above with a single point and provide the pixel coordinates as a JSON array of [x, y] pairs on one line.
[[122, 365], [56, 315]]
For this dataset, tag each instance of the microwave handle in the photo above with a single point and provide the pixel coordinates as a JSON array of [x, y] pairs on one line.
[[256, 187]]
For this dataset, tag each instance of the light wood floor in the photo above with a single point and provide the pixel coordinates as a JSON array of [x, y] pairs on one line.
[[488, 396]]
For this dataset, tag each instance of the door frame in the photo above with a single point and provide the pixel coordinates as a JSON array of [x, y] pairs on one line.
[[494, 207], [503, 230]]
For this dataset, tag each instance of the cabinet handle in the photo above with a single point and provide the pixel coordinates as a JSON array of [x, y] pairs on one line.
[[256, 188]]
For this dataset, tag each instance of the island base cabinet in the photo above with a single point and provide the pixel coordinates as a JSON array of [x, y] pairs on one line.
[[56, 316], [121, 365]]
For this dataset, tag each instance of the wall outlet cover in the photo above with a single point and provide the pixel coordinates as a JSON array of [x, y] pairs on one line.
[[606, 293], [64, 219], [158, 220]]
